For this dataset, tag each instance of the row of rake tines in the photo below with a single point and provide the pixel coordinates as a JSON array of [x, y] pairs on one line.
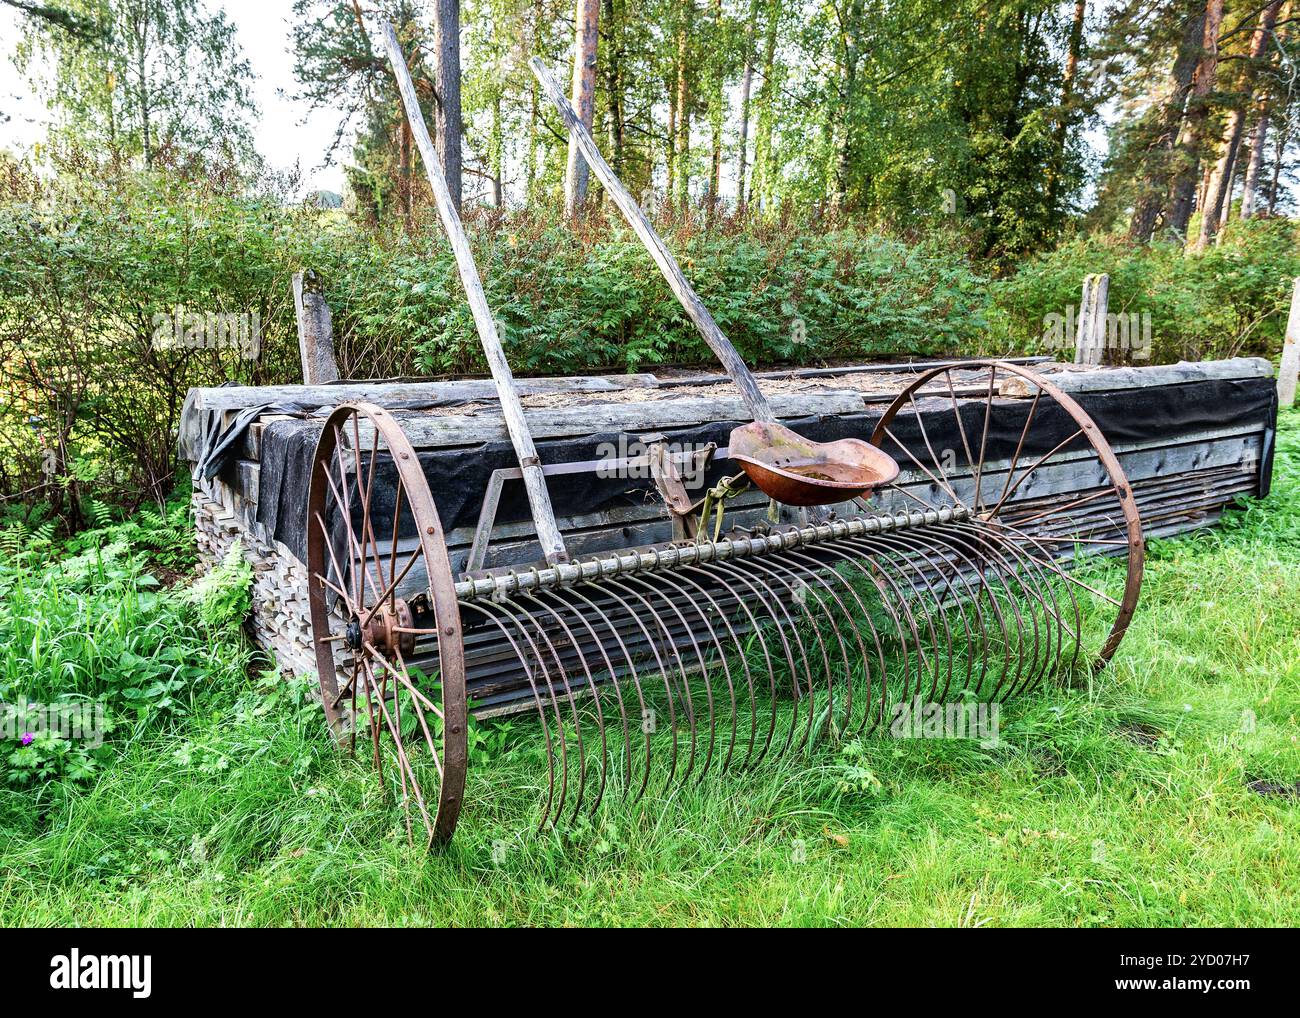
[[799, 639]]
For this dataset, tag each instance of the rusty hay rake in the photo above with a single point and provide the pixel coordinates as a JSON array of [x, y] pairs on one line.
[[944, 570]]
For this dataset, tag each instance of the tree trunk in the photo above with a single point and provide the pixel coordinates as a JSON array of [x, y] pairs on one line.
[[1057, 166], [140, 30], [1279, 154], [842, 124], [530, 155], [1220, 189], [1192, 141], [746, 84], [1257, 142], [496, 153], [587, 30], [761, 184], [717, 112], [683, 140], [670, 150], [613, 64], [447, 46], [1154, 188]]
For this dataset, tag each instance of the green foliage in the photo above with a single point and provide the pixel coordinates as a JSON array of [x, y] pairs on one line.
[[222, 596], [153, 81], [96, 269], [86, 629], [571, 303], [1230, 301]]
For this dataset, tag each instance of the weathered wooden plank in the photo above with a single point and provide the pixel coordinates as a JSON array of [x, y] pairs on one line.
[[388, 394], [1290, 368], [1090, 339], [248, 476], [1111, 379], [428, 431]]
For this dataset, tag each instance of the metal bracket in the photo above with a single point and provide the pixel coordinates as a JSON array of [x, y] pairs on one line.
[[668, 461]]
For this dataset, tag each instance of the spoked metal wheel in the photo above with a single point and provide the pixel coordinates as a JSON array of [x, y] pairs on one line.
[[1008, 468], [382, 597]]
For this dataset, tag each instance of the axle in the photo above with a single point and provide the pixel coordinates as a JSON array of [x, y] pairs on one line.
[[566, 573]]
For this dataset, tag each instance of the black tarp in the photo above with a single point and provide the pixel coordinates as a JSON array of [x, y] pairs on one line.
[[458, 477]]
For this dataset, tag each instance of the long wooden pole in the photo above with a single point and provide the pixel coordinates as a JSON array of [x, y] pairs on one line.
[[511, 408], [732, 362]]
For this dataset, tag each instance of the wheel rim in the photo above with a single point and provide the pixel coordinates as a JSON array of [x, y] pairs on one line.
[[384, 614], [1102, 520]]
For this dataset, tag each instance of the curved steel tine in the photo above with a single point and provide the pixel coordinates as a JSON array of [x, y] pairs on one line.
[[577, 594], [1048, 561], [613, 682], [769, 600], [776, 566], [1007, 574], [669, 577], [738, 649], [704, 671], [507, 606], [757, 629], [861, 553], [1046, 571], [978, 551], [823, 569], [607, 586], [683, 672], [858, 556], [1012, 648], [819, 570], [906, 545], [595, 696], [1033, 592], [916, 545], [966, 567], [954, 566], [721, 572], [541, 710], [765, 568]]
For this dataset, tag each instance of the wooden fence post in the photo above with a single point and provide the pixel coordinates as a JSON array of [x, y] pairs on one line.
[[315, 330], [1090, 336], [1286, 375]]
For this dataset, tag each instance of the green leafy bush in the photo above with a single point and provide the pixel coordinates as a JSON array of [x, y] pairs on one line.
[[86, 631], [574, 302], [1230, 301], [222, 596]]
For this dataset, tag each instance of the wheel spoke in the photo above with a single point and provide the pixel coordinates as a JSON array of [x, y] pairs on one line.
[[1008, 492], [920, 466], [984, 438]]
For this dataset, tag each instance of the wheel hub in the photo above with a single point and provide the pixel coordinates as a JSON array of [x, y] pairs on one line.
[[383, 630]]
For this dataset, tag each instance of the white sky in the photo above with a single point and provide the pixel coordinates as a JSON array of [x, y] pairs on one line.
[[284, 132]]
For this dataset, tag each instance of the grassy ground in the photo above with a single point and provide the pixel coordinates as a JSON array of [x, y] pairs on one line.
[[1122, 803]]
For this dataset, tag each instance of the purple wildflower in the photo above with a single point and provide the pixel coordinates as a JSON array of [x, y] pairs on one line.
[[28, 738]]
